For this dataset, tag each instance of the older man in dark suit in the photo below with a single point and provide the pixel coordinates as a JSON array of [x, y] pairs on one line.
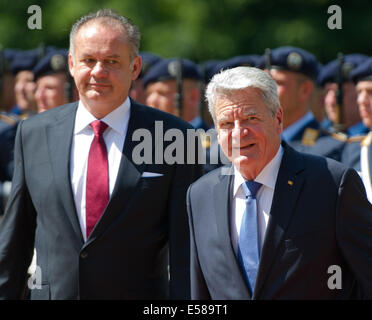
[[277, 224], [104, 225]]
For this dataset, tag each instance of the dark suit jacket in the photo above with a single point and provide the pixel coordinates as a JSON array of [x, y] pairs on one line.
[[126, 255], [322, 219]]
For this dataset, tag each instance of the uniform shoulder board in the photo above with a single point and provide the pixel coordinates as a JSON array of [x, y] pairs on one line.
[[310, 136], [8, 119], [366, 141], [340, 136], [205, 140]]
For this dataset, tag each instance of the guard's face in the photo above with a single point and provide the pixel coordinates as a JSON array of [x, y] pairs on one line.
[[364, 91], [288, 92], [50, 91], [24, 89], [161, 95], [101, 66], [248, 133], [349, 108]]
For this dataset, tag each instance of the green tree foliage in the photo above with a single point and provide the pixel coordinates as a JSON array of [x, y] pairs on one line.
[[203, 29]]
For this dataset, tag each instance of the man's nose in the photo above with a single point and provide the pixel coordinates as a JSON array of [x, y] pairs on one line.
[[238, 130], [99, 69], [363, 98], [330, 98]]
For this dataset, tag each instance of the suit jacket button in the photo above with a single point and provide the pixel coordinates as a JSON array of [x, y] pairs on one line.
[[84, 254]]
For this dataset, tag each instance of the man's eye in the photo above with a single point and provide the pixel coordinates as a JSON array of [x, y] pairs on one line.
[[112, 62], [88, 61], [225, 125]]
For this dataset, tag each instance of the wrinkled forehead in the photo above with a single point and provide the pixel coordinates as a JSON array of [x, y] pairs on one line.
[[239, 104]]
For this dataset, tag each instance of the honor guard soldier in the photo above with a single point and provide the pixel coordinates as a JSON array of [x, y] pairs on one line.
[[24, 86], [295, 72], [173, 85], [137, 90], [340, 100], [358, 154], [54, 84]]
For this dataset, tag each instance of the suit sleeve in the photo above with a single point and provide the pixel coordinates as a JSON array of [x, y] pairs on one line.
[[17, 231], [178, 230], [354, 230], [199, 290]]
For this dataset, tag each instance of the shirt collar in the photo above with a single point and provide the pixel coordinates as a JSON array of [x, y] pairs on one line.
[[116, 119], [266, 177], [291, 131]]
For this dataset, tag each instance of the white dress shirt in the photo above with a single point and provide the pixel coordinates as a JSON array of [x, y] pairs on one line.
[[267, 177], [114, 137]]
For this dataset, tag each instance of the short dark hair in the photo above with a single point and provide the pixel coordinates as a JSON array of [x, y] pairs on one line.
[[109, 17]]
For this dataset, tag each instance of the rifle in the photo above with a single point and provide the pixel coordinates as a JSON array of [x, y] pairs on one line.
[[338, 125], [175, 70]]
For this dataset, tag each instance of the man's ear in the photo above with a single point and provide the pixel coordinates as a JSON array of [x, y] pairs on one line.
[[307, 88], [136, 67], [71, 64], [279, 118]]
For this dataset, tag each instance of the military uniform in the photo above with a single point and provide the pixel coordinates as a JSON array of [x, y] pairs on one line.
[[358, 154], [305, 134]]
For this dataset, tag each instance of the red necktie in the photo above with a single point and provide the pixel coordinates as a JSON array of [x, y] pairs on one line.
[[97, 189]]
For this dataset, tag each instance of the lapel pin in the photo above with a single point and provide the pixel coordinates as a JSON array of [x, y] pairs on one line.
[[290, 182]]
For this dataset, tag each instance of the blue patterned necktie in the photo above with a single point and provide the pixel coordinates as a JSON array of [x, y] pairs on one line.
[[248, 251]]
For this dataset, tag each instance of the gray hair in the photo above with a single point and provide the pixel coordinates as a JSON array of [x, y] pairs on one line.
[[240, 78], [110, 18]]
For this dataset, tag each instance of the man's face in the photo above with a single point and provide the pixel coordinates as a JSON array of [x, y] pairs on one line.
[[248, 133], [288, 91], [364, 91], [349, 101], [50, 91], [24, 89], [101, 66], [162, 95]]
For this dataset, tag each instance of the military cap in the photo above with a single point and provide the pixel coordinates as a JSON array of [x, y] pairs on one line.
[[329, 72], [363, 72], [6, 58], [207, 69], [167, 69], [24, 61], [53, 62], [238, 61], [292, 59], [148, 60]]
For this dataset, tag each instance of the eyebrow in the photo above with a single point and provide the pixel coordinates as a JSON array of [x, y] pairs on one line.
[[115, 56]]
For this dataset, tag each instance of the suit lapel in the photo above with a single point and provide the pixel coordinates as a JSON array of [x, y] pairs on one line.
[[287, 189], [222, 204], [59, 139], [129, 173]]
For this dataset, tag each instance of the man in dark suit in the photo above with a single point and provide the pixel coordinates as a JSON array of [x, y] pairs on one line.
[[277, 224], [104, 225]]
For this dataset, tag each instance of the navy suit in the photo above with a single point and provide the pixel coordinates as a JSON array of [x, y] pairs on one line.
[[322, 218], [126, 255]]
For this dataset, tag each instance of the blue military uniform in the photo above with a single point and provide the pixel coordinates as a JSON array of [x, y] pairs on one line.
[[164, 70], [358, 154], [306, 134], [329, 73]]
